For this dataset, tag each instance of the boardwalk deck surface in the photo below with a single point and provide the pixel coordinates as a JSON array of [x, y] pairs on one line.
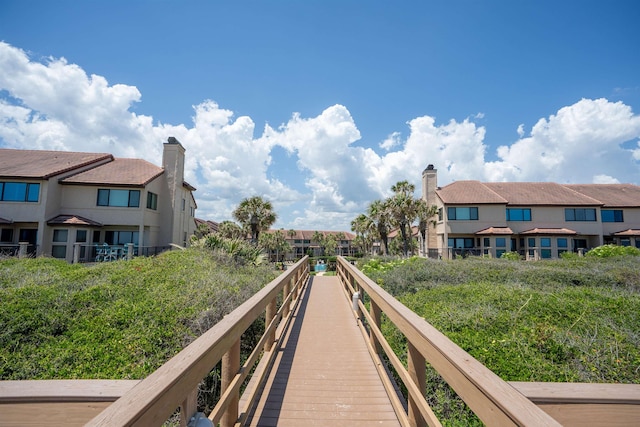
[[323, 374]]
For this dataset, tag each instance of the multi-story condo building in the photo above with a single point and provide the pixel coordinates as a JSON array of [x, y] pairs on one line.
[[61, 202], [535, 219]]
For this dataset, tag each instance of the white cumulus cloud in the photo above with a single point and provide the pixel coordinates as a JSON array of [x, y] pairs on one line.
[[51, 104]]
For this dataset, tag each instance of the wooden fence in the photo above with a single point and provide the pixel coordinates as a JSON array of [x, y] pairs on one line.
[[494, 401]]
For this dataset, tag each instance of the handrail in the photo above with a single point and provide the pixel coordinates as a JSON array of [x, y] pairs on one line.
[[174, 384], [493, 400]]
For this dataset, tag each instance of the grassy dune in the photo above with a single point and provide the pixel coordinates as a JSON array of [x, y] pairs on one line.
[[114, 320], [575, 320]]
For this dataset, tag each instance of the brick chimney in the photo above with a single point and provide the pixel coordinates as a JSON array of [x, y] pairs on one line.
[[429, 186]]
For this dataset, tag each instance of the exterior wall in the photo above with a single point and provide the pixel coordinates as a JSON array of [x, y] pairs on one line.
[[429, 186], [168, 224]]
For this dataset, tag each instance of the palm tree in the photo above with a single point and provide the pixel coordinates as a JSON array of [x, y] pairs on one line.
[[230, 230], [404, 210], [256, 214], [425, 218], [319, 238], [365, 228], [292, 233], [380, 214]]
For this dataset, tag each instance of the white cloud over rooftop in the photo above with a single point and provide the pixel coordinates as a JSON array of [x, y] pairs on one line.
[[52, 104]]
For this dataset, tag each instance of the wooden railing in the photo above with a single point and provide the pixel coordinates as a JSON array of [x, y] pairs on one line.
[[175, 384], [494, 401]]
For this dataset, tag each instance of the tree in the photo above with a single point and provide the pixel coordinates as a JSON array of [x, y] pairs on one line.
[[426, 216], [230, 230], [403, 209], [255, 214], [380, 215], [365, 229], [319, 238]]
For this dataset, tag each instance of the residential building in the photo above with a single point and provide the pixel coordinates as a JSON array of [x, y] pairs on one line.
[[57, 201], [302, 242], [535, 219]]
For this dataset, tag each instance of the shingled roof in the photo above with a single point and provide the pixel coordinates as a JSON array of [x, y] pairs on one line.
[[119, 172], [38, 164], [611, 195], [539, 193]]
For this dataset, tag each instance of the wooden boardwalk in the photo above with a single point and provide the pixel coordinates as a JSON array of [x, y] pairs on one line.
[[323, 374]]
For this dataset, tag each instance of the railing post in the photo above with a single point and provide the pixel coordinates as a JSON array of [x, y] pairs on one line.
[[230, 367], [376, 315], [269, 315], [76, 252], [285, 292], [188, 408], [416, 366], [129, 251], [22, 252]]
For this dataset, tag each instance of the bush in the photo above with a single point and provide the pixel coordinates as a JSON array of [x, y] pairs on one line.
[[512, 256], [607, 251]]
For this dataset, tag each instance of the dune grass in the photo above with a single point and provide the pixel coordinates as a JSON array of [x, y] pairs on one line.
[[118, 320]]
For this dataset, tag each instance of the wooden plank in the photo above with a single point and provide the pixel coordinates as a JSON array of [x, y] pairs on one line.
[[63, 390], [323, 374], [67, 414], [540, 392], [601, 415]]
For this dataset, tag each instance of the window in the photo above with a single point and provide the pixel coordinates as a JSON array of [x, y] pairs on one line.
[[119, 198], [81, 236], [501, 242], [625, 241], [152, 201], [19, 192], [440, 214], [545, 253], [486, 242], [611, 215], [562, 242], [183, 203], [121, 237], [462, 214], [6, 235], [545, 242], [60, 235], [500, 252], [531, 242], [519, 214], [461, 242], [571, 214]]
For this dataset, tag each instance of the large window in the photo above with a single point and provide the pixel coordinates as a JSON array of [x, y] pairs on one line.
[[612, 215], [462, 214], [461, 242], [119, 198], [579, 214], [501, 242], [121, 237], [59, 250], [152, 201], [518, 214], [6, 235], [19, 192]]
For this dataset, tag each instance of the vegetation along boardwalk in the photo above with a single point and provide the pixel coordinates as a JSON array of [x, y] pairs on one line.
[[323, 374]]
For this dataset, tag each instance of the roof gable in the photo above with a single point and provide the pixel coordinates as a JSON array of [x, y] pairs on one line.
[[39, 164]]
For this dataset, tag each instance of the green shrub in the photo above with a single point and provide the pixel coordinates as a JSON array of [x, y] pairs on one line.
[[512, 256], [606, 251]]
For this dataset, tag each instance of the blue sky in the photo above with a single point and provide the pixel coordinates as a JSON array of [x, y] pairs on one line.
[[321, 106]]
